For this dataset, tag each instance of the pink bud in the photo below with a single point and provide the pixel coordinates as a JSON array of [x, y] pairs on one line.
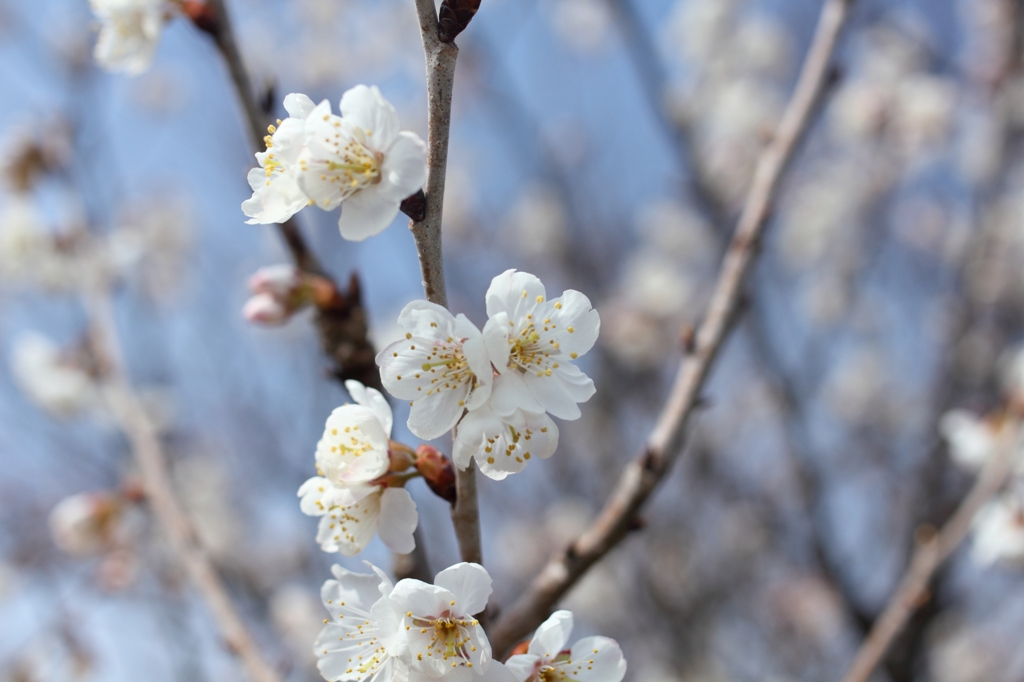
[[280, 280], [264, 308]]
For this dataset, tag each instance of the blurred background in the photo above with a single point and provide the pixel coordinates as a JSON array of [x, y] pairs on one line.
[[605, 146]]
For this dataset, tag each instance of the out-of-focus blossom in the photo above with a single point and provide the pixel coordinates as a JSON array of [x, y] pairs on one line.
[[582, 24], [352, 504], [51, 377], [129, 33], [923, 109], [278, 294], [441, 367], [360, 159], [591, 659], [536, 226], [999, 531], [202, 485], [295, 613], [533, 341], [87, 523], [972, 441], [503, 445]]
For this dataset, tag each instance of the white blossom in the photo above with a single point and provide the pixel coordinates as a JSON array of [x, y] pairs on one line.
[[48, 378], [129, 33], [441, 367], [350, 647], [86, 523], [999, 531], [971, 440], [276, 196], [362, 160], [592, 659], [353, 507], [532, 342], [503, 445]]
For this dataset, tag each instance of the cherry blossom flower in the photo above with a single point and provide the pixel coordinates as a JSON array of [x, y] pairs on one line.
[[86, 523], [353, 506], [592, 659], [971, 440], [350, 647], [441, 367], [532, 342], [277, 295], [129, 33], [50, 377], [276, 195], [999, 531], [362, 160], [437, 633], [503, 445]]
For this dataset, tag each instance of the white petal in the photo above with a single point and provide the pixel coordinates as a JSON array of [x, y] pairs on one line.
[[354, 447], [552, 635], [514, 293], [367, 108], [523, 666], [560, 392], [577, 314], [372, 398], [298, 105], [398, 519], [366, 213], [349, 590], [275, 199], [435, 415], [510, 393], [427, 320], [495, 337], [472, 434], [596, 659], [319, 495], [471, 585], [404, 170], [349, 529]]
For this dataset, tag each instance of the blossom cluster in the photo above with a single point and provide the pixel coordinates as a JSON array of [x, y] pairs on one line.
[[419, 632], [498, 385], [359, 159]]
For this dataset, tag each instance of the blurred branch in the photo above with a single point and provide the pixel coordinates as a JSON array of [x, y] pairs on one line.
[[933, 548], [440, 59], [152, 463], [654, 81], [644, 474]]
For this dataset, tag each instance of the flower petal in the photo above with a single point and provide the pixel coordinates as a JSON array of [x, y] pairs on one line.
[[596, 659], [398, 520], [349, 529], [366, 213], [299, 106], [404, 170], [572, 310], [552, 635], [523, 666], [469, 583], [367, 108], [514, 293], [510, 393], [372, 398]]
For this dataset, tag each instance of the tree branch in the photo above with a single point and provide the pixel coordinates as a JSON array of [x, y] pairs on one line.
[[152, 463], [643, 475], [932, 550], [440, 58]]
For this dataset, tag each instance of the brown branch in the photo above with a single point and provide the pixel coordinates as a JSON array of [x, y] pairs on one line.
[[932, 550], [643, 475], [152, 463], [440, 58]]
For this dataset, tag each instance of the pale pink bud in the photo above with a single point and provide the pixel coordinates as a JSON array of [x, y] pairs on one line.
[[281, 280], [265, 308]]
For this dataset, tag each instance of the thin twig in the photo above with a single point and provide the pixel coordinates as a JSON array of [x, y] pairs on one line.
[[932, 550], [643, 475], [152, 463], [426, 233]]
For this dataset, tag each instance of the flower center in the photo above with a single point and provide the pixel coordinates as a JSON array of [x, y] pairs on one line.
[[449, 365], [449, 639], [550, 673], [528, 354]]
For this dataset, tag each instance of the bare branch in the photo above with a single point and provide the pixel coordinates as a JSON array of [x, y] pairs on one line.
[[643, 475], [152, 463], [932, 550], [440, 58]]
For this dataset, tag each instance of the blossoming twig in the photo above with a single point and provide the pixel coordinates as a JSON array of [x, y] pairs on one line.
[[440, 57], [152, 463], [933, 548], [644, 474]]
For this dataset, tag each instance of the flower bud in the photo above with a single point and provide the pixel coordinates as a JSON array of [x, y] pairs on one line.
[[86, 523], [438, 471], [401, 456], [266, 309], [281, 280]]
